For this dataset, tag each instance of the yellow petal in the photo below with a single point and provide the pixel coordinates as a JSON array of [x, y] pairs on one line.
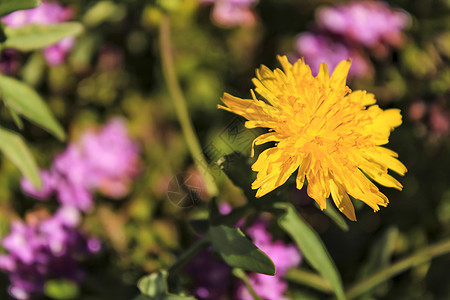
[[342, 200], [339, 77], [276, 177], [324, 75], [264, 138], [304, 165]]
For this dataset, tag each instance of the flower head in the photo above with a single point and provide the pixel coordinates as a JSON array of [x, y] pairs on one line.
[[365, 22], [43, 248], [333, 136], [317, 48], [229, 13], [106, 160]]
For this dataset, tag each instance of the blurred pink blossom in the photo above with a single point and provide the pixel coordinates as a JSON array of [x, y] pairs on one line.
[[46, 189], [45, 248], [284, 257], [319, 48], [365, 22], [105, 160], [439, 120], [229, 13], [349, 30]]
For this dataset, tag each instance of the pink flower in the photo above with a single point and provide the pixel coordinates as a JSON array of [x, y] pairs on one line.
[[46, 248], [229, 13], [283, 256], [106, 160], [46, 189], [368, 23], [319, 48]]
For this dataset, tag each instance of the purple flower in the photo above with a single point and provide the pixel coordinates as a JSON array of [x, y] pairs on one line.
[[112, 158], [9, 61], [283, 256], [47, 13], [265, 286], [319, 48], [231, 13], [56, 54], [368, 23], [46, 189], [211, 276], [45, 248], [346, 30], [106, 160]]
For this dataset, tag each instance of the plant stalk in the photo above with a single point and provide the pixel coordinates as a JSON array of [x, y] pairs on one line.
[[420, 257], [179, 102]]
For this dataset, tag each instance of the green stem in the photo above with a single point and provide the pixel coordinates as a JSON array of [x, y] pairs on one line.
[[239, 273], [415, 259], [180, 105], [310, 279], [190, 253]]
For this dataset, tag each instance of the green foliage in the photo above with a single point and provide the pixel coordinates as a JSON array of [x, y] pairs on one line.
[[61, 289], [237, 251], [154, 287], [311, 247], [14, 148], [23, 100], [32, 37], [8, 6]]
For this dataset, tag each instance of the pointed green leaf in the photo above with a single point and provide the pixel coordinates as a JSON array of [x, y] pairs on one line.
[[25, 101], [311, 246], [15, 149], [8, 6], [154, 287], [17, 120], [237, 251], [37, 36]]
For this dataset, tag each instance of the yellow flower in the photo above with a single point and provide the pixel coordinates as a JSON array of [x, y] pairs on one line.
[[332, 135]]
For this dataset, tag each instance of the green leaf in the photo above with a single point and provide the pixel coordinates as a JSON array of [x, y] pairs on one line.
[[17, 120], [237, 251], [104, 11], [8, 6], [15, 149], [61, 289], [311, 246], [25, 101], [37, 36], [154, 286]]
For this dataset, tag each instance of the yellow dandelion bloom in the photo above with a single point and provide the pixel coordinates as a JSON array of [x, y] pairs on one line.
[[332, 135]]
